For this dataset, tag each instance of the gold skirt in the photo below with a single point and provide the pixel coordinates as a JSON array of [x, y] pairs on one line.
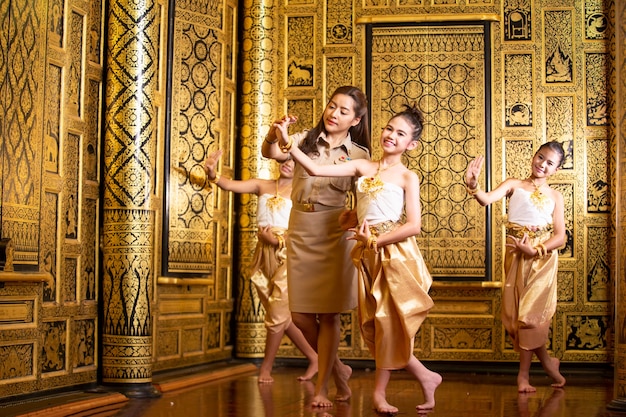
[[529, 293], [269, 276], [393, 299]]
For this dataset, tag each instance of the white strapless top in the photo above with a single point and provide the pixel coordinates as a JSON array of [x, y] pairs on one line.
[[380, 206], [524, 212], [273, 210]]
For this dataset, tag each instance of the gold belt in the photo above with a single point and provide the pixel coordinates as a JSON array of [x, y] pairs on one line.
[[313, 207], [519, 231], [384, 227]]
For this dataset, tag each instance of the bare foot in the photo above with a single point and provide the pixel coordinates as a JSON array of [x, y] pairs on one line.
[[429, 385], [321, 401], [382, 406], [310, 372], [265, 379], [523, 385], [342, 376], [553, 371]]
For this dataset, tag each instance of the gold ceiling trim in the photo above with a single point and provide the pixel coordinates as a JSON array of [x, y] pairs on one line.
[[417, 18]]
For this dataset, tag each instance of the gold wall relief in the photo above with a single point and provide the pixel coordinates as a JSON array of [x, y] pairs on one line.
[[443, 70], [558, 32], [518, 89]]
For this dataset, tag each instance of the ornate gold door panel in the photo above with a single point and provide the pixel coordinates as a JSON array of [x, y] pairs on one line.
[[445, 70]]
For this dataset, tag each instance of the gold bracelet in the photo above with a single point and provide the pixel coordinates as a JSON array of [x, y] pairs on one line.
[[472, 191], [543, 247], [271, 142], [541, 250], [281, 241], [286, 148], [372, 243], [216, 178]]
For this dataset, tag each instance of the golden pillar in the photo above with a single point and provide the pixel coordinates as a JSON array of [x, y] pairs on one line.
[[258, 89], [619, 179], [129, 183]]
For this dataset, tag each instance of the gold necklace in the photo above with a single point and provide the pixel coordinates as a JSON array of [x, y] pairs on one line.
[[373, 185], [275, 202], [538, 198]]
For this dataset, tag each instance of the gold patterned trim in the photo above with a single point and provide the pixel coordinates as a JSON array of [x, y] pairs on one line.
[[384, 227], [518, 231], [489, 17]]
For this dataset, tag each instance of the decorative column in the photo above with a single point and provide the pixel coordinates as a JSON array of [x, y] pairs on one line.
[[619, 181], [258, 91], [129, 185]]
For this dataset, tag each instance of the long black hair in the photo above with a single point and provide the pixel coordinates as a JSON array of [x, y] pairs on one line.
[[360, 134]]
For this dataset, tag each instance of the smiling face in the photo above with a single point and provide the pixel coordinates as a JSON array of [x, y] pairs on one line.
[[339, 115], [397, 136], [286, 169], [545, 163]]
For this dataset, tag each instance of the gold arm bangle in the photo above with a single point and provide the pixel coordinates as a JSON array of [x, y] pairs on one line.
[[216, 178], [286, 148], [271, 142]]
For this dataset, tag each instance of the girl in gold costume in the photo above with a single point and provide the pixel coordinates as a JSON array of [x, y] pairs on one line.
[[535, 230], [322, 280], [393, 278], [269, 271]]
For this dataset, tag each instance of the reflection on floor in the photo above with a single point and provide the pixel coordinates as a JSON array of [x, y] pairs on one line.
[[460, 395]]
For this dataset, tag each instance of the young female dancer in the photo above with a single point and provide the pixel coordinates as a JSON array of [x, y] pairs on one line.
[[269, 272], [393, 277], [322, 280], [535, 230]]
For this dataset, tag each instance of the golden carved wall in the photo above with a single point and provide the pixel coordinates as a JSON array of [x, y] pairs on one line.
[[51, 96], [552, 76]]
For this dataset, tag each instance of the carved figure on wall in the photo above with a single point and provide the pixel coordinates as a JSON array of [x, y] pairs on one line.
[[586, 332], [520, 115], [595, 26], [15, 361], [51, 148], [300, 74], [71, 215], [53, 347], [517, 26], [558, 67]]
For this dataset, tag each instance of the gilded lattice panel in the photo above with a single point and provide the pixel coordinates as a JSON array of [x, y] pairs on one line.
[[49, 243], [52, 115], [338, 71], [598, 174], [517, 24], [17, 361], [442, 69], [566, 290], [559, 125], [300, 52], [192, 239], [54, 347], [76, 71], [518, 90], [558, 46], [339, 22], [596, 20], [597, 268], [596, 88], [572, 233], [84, 343]]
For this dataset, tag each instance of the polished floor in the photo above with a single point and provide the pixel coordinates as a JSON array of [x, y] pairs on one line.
[[462, 394]]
